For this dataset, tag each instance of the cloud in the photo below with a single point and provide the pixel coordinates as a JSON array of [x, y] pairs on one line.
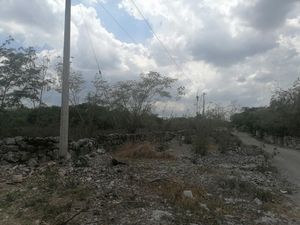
[[231, 49], [216, 44], [37, 21], [266, 15], [207, 31]]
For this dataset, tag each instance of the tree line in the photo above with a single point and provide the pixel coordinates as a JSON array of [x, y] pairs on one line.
[[281, 118], [25, 78]]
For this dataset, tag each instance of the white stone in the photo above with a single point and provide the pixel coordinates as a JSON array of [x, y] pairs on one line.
[[158, 215], [188, 194], [257, 201], [101, 151], [10, 141]]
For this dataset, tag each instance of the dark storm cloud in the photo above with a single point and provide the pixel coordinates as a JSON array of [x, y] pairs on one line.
[[216, 45], [266, 14]]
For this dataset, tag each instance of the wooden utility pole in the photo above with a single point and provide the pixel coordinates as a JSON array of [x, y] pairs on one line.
[[203, 109], [64, 118]]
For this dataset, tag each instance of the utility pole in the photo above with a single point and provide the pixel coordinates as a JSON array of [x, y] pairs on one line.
[[197, 105], [64, 118], [203, 109]]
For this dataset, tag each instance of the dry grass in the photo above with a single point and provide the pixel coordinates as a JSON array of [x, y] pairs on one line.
[[144, 150], [290, 211], [212, 147], [46, 197], [209, 209], [173, 191]]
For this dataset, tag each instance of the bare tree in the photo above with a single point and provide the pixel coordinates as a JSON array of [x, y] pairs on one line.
[[101, 94], [45, 81], [138, 96], [76, 86], [76, 82]]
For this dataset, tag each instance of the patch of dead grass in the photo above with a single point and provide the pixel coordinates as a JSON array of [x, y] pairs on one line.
[[208, 208], [45, 197], [144, 150]]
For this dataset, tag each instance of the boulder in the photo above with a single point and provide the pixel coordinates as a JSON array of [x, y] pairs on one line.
[[10, 141], [17, 179], [12, 157]]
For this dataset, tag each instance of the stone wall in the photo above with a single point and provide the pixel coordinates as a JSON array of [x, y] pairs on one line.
[[290, 142], [37, 150], [33, 151], [118, 139]]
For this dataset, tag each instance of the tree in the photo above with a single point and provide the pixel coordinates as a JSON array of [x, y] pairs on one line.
[[101, 95], [18, 75], [75, 85], [45, 80], [138, 96], [133, 98]]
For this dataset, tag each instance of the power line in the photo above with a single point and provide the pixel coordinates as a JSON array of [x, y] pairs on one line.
[[158, 39], [117, 22], [133, 39], [91, 42]]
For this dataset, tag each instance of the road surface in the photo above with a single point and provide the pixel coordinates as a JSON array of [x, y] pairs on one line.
[[287, 161]]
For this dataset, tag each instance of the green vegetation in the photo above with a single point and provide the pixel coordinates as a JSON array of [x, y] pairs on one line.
[[24, 79], [281, 118]]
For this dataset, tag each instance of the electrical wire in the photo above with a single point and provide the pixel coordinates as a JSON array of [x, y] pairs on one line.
[[117, 22], [173, 61], [91, 42], [158, 39]]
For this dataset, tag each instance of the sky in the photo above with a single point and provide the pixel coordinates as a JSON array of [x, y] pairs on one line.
[[234, 50]]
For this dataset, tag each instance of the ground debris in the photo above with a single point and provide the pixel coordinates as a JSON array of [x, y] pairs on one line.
[[235, 187]]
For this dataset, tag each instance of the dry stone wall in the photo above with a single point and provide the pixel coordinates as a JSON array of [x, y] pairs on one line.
[[290, 142], [33, 151]]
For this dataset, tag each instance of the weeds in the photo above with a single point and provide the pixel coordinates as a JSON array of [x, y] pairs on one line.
[[208, 209], [200, 144], [141, 151], [246, 188], [45, 197]]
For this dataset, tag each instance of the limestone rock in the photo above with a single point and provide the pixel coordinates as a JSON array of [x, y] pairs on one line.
[[159, 215], [10, 141], [188, 194], [17, 178]]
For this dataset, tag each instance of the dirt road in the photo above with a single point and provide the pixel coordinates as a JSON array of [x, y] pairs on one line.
[[286, 160]]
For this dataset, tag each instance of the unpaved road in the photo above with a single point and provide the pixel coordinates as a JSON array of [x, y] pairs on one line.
[[287, 161]]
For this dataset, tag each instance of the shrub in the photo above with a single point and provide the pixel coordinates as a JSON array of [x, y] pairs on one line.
[[200, 144], [141, 151]]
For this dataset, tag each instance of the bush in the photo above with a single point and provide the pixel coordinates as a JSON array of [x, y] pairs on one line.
[[200, 144], [141, 151]]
